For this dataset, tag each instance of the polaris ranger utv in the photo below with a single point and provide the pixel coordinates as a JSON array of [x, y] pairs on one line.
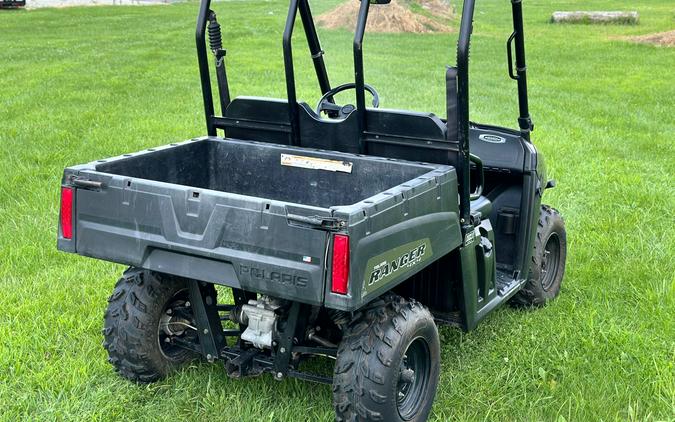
[[343, 231]]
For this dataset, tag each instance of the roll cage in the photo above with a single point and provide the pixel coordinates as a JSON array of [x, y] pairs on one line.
[[366, 122]]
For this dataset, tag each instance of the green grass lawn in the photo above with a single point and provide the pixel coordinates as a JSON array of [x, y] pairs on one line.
[[86, 83]]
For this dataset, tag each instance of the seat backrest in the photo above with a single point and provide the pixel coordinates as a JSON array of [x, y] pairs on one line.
[[396, 134], [409, 135]]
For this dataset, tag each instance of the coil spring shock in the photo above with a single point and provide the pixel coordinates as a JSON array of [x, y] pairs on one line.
[[340, 318], [216, 44], [215, 37]]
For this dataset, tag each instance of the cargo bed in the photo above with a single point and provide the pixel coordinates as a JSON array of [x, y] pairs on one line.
[[260, 216]]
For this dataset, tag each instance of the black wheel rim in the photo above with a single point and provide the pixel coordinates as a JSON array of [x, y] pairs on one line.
[[413, 378], [176, 323], [550, 262]]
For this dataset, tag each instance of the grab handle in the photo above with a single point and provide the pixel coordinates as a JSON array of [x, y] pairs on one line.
[[509, 55], [481, 177]]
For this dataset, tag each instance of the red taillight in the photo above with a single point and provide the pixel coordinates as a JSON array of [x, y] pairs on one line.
[[67, 212], [340, 280]]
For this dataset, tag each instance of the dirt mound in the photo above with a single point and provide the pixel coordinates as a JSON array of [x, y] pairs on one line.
[[419, 16], [664, 39]]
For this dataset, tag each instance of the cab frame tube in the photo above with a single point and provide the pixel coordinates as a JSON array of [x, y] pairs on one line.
[[463, 124], [359, 78], [202, 58], [524, 119]]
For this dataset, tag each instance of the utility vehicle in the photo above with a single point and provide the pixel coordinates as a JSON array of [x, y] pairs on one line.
[[347, 232], [12, 4]]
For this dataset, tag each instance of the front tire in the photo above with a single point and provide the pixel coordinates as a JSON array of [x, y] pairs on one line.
[[388, 363], [145, 312], [548, 261]]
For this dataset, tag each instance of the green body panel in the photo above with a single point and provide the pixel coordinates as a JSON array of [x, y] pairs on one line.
[[395, 264]]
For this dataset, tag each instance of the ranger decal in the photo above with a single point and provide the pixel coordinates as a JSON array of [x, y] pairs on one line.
[[387, 266]]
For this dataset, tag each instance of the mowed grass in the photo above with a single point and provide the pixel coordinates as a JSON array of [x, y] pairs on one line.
[[86, 83]]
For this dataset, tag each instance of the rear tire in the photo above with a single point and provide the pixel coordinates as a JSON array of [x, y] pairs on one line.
[[388, 363], [139, 318], [548, 261]]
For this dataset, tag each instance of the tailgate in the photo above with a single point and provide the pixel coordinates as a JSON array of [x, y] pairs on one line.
[[233, 240]]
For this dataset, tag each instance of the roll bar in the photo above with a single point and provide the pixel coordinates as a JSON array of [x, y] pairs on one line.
[[460, 91], [457, 79], [206, 17], [462, 115], [524, 120], [359, 77], [202, 58]]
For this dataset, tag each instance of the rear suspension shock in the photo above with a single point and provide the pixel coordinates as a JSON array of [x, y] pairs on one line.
[[216, 44]]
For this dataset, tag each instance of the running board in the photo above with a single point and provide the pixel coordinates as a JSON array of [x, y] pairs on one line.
[[506, 288]]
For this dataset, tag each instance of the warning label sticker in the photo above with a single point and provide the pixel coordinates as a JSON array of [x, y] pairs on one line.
[[315, 163]]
